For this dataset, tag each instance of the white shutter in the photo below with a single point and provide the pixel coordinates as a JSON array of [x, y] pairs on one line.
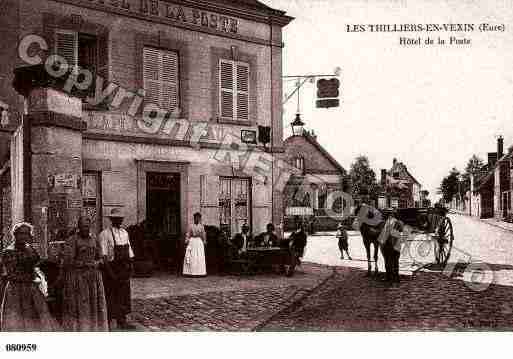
[[242, 91], [160, 73], [66, 45], [151, 64], [169, 80], [226, 84]]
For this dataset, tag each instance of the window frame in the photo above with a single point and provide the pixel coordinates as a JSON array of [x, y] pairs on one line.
[[178, 75], [232, 201], [235, 91]]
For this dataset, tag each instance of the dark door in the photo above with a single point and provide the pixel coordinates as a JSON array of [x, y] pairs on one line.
[[163, 214]]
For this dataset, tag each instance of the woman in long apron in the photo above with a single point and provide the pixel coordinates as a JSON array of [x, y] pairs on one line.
[[195, 240], [84, 305], [23, 306]]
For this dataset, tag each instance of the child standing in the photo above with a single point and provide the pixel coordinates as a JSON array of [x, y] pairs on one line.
[[342, 241]]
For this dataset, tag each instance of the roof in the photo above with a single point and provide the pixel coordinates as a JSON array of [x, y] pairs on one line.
[[251, 5], [491, 171], [310, 139], [405, 170]]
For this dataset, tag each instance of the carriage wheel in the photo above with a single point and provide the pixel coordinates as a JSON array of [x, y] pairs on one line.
[[444, 239]]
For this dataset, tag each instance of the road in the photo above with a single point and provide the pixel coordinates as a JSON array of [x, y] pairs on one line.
[[474, 291]]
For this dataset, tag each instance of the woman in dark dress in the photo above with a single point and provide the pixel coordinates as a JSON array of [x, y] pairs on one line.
[[23, 306], [84, 305]]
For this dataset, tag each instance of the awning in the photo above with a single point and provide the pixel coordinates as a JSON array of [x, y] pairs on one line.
[[299, 211]]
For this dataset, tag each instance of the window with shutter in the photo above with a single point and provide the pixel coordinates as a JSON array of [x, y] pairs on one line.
[[161, 78], [66, 45], [234, 90]]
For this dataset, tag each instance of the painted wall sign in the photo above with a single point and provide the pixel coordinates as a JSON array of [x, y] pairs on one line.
[[66, 180], [178, 13], [173, 129], [74, 203]]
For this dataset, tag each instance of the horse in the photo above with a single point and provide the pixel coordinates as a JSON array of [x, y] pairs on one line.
[[370, 224]]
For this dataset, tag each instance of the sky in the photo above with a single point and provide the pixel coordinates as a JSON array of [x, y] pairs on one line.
[[430, 107]]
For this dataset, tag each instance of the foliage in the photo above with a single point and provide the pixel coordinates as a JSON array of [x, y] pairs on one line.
[[474, 164], [450, 185], [363, 178]]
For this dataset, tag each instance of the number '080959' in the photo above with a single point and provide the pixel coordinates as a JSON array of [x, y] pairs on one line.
[[21, 347]]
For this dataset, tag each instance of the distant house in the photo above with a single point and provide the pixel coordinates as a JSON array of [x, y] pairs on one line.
[[311, 193], [491, 186], [399, 189]]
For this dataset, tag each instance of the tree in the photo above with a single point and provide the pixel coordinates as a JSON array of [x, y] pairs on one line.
[[363, 178], [450, 185], [474, 164]]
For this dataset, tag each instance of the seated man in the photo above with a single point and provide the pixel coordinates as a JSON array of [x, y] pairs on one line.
[[268, 238], [241, 241]]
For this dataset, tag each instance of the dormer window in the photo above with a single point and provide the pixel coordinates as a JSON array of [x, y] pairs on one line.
[[299, 163]]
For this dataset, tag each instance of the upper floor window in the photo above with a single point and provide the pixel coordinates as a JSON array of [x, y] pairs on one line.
[[160, 74], [234, 90], [79, 50], [299, 163], [396, 175]]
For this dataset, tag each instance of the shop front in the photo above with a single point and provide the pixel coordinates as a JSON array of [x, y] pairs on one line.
[[181, 117]]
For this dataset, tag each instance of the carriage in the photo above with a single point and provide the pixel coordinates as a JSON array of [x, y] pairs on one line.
[[431, 229]]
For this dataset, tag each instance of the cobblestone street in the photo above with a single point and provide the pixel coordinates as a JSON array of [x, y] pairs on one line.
[[319, 298], [429, 300], [219, 303]]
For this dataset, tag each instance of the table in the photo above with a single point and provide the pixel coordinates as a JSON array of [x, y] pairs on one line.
[[255, 258]]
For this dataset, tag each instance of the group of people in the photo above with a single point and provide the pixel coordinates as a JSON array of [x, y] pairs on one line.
[[194, 264], [94, 277]]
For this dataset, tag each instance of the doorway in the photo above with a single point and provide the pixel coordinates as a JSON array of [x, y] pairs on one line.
[[163, 214]]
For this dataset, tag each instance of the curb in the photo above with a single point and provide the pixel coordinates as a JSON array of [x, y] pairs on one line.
[[295, 303]]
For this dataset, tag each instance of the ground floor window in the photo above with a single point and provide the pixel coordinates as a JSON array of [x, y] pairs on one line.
[[234, 204]]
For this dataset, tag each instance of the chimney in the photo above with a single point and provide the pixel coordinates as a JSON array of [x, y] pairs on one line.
[[312, 133], [394, 161], [383, 177], [500, 147], [492, 158]]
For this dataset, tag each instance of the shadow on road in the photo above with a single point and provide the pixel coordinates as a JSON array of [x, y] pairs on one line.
[[430, 300]]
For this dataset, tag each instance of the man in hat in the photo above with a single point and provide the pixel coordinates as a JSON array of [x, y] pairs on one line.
[[242, 240], [390, 240], [117, 256]]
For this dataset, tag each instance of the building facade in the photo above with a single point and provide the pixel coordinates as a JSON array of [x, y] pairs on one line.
[[399, 188], [182, 114], [313, 192], [493, 185]]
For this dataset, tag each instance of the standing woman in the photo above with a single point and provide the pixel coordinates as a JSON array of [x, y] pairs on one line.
[[195, 241], [23, 306], [84, 305]]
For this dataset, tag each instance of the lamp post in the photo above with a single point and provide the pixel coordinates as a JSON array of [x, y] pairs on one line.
[[297, 126]]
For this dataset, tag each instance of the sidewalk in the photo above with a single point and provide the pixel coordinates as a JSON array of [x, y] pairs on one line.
[[219, 303], [491, 221]]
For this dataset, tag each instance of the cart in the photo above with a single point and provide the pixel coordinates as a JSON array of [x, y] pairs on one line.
[[431, 230]]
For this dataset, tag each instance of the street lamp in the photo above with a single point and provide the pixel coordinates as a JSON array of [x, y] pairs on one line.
[[297, 126]]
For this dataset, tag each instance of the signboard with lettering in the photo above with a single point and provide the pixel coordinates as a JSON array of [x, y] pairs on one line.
[[163, 9], [121, 124], [66, 180]]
